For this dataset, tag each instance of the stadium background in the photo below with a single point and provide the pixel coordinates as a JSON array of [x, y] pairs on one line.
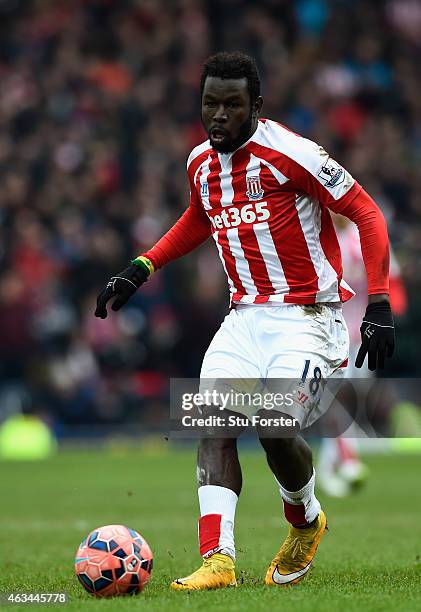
[[99, 108]]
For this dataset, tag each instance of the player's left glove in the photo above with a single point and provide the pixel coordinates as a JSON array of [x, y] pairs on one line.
[[377, 335], [123, 285]]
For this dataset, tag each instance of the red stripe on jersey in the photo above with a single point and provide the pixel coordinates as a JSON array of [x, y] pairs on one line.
[[198, 187], [257, 266], [330, 246], [214, 181], [215, 195], [230, 266], [261, 299], [209, 532], [246, 234], [196, 163], [191, 171], [344, 294], [291, 246]]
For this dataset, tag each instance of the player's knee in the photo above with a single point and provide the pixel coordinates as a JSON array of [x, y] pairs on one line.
[[215, 456], [213, 452]]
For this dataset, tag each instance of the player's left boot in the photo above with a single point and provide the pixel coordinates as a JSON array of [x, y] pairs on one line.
[[217, 571], [296, 554]]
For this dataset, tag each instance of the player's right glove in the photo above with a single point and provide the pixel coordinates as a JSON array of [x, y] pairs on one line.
[[377, 335], [123, 285]]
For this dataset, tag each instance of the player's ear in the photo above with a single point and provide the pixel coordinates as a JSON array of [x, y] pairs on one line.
[[257, 106]]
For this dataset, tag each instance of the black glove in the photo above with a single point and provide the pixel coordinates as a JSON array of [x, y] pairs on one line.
[[377, 335], [122, 286]]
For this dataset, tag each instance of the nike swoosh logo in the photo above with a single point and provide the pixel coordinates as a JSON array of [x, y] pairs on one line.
[[285, 578]]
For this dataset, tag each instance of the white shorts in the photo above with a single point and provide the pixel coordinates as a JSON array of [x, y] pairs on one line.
[[284, 349]]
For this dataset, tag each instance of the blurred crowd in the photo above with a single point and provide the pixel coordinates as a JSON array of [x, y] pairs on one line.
[[99, 108]]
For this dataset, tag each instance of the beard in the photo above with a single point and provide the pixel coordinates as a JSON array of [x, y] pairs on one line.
[[231, 144]]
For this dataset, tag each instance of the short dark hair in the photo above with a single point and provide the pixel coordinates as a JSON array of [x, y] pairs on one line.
[[235, 65]]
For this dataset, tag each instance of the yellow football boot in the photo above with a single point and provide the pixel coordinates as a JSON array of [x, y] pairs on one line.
[[217, 571], [296, 554]]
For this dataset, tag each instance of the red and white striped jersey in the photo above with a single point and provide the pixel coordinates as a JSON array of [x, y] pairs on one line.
[[268, 206]]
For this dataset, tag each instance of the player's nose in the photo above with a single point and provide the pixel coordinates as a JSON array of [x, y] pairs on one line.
[[220, 113]]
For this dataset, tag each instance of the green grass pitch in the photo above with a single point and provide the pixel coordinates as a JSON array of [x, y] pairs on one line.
[[369, 560]]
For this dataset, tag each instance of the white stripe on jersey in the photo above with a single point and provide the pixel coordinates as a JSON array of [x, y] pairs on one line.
[[309, 214], [198, 151], [263, 236], [270, 256], [225, 177], [345, 285], [240, 261], [253, 167], [204, 181], [221, 257]]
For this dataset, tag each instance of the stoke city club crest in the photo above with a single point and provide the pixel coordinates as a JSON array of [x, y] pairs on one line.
[[254, 188]]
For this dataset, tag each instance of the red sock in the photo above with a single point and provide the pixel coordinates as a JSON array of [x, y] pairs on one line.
[[295, 514], [301, 507], [209, 533], [216, 524]]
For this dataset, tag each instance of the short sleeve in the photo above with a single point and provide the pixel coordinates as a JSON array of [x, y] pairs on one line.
[[313, 171], [321, 176]]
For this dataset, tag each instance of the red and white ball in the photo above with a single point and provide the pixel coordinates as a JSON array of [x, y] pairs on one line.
[[113, 560]]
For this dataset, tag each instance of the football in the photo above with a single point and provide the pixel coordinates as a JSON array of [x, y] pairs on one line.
[[113, 560]]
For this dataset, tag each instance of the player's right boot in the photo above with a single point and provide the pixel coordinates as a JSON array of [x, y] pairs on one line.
[[296, 554], [217, 571]]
